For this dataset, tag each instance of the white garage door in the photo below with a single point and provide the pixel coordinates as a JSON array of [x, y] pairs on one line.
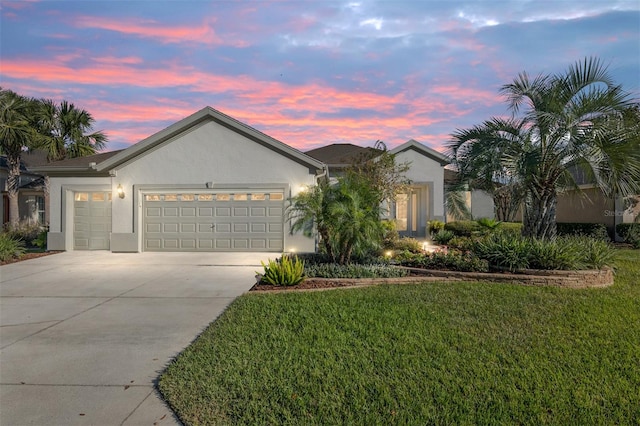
[[242, 220], [91, 220]]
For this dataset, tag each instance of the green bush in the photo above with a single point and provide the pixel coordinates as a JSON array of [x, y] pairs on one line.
[[558, 254], [334, 270], [630, 233], [511, 228], [435, 226], [452, 260], [461, 243], [489, 224], [594, 253], [463, 228], [24, 231], [10, 247], [504, 251], [443, 237], [593, 230], [390, 235], [409, 244], [41, 240], [286, 271]]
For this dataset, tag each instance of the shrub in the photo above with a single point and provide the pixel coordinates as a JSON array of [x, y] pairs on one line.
[[593, 230], [443, 237], [504, 251], [511, 228], [461, 243], [10, 247], [594, 253], [553, 254], [463, 228], [390, 235], [452, 261], [488, 224], [408, 244], [25, 231], [286, 271], [435, 226], [630, 233], [334, 270], [41, 240]]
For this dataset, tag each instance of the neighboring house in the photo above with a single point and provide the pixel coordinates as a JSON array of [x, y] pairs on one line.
[[480, 203], [424, 201], [30, 191], [205, 183]]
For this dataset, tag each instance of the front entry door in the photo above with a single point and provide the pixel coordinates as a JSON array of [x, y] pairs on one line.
[[407, 213]]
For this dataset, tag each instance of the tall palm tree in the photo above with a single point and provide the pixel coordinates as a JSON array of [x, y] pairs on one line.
[[16, 135], [66, 132], [483, 157], [570, 124]]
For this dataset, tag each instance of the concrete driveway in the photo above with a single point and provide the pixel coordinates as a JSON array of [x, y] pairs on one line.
[[85, 335]]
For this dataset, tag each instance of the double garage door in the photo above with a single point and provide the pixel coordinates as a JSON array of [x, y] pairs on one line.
[[238, 220]]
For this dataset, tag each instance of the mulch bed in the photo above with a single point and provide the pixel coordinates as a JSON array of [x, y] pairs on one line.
[[28, 256]]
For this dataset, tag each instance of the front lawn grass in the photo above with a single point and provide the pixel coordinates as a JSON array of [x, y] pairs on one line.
[[457, 353]]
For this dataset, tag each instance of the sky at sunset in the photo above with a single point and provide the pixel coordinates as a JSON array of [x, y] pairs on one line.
[[306, 72]]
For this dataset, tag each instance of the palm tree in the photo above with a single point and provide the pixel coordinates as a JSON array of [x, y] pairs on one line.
[[571, 123], [16, 135], [482, 158], [64, 131]]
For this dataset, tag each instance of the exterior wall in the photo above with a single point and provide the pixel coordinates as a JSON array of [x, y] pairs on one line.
[[424, 170], [206, 156], [594, 208], [482, 205]]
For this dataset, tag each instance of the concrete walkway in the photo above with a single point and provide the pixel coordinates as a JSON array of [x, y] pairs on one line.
[[85, 335]]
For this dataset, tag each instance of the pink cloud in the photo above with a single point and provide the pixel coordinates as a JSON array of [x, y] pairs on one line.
[[203, 33]]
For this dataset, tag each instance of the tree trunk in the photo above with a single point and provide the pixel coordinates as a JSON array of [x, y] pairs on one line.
[[13, 183], [540, 214]]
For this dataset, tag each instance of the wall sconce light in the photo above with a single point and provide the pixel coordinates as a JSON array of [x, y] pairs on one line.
[[120, 191]]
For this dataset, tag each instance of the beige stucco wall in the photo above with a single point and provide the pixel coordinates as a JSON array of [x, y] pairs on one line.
[[591, 207]]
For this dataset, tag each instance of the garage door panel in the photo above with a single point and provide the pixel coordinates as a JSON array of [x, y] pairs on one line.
[[213, 222], [240, 211], [170, 227], [153, 212], [258, 211], [153, 227], [258, 227], [205, 227], [240, 227], [92, 220], [205, 244]]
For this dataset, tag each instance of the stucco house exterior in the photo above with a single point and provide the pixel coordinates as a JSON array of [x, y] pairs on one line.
[[209, 183], [205, 183], [424, 200]]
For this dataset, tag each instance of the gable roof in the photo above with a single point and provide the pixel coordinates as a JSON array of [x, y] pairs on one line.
[[341, 154], [107, 161], [422, 149]]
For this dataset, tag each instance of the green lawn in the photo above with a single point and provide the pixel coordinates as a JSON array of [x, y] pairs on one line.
[[458, 353]]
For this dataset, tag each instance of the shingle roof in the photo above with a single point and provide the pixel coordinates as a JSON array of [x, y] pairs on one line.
[[340, 154], [83, 161]]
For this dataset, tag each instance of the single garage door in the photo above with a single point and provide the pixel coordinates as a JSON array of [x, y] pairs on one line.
[[91, 220], [239, 220]]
